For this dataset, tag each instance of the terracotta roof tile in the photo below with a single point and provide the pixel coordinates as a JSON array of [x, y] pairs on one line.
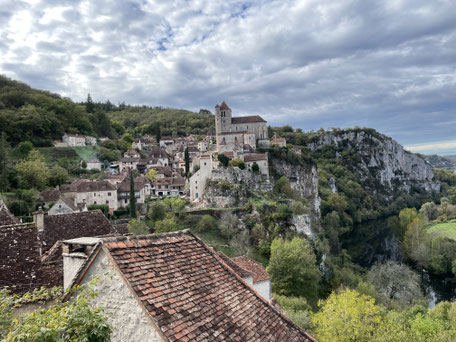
[[247, 119], [224, 106], [6, 217], [192, 294], [20, 261], [255, 157], [70, 226], [252, 266]]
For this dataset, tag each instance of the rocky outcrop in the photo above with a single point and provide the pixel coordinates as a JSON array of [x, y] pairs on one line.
[[380, 159], [302, 224], [304, 179], [230, 187]]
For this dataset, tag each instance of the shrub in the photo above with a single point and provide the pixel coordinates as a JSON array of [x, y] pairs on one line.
[[157, 211], [224, 160], [206, 223]]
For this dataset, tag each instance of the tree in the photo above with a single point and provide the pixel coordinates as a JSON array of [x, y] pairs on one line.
[[132, 196], [238, 162], [224, 160], [429, 211], [137, 227], [396, 285], [414, 239], [406, 216], [32, 171], [90, 106], [151, 175], [157, 132], [187, 162], [24, 148], [206, 224], [157, 211], [283, 187], [346, 317], [4, 163], [293, 269], [255, 168], [58, 175]]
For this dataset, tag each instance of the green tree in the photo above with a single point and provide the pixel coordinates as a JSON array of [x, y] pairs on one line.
[[283, 187], [346, 317], [132, 203], [32, 171], [137, 227], [157, 211], [4, 163], [238, 162], [168, 224], [255, 168], [24, 148], [152, 175], [187, 162], [406, 216], [414, 241], [90, 106], [206, 224], [293, 269], [58, 176], [224, 160]]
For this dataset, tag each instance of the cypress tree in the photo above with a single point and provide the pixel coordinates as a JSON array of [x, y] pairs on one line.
[[187, 162], [132, 195]]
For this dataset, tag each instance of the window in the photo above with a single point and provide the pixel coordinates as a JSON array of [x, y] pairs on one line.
[[107, 202], [196, 188], [94, 202], [95, 194], [204, 163], [109, 194], [125, 200]]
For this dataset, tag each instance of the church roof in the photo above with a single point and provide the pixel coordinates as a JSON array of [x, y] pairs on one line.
[[247, 119], [224, 106]]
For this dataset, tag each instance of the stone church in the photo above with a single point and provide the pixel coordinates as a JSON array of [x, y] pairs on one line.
[[234, 133]]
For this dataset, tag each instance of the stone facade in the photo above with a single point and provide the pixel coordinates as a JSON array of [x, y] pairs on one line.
[[74, 140], [129, 321], [238, 130], [198, 180]]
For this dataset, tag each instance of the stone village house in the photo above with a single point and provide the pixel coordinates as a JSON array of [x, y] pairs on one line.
[[173, 287]]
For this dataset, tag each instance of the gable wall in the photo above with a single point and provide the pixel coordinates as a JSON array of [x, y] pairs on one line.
[[128, 320]]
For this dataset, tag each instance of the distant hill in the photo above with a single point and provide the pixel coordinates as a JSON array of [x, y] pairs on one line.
[[38, 116], [439, 162], [144, 119]]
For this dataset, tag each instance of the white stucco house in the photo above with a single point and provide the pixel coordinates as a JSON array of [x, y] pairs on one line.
[[73, 140], [97, 192], [198, 179], [261, 159], [94, 164]]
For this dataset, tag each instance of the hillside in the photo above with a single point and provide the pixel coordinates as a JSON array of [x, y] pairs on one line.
[[38, 116], [146, 120], [439, 162]]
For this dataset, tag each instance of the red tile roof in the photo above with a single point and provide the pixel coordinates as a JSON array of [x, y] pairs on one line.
[[192, 295], [247, 119], [255, 157], [70, 226], [20, 261], [243, 273], [5, 216], [224, 106], [252, 266]]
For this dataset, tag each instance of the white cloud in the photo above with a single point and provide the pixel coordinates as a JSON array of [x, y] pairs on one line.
[[389, 65]]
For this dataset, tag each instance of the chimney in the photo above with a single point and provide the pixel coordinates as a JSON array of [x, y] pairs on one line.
[[75, 252], [39, 219]]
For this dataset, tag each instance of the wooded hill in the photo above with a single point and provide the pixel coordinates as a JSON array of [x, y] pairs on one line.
[[28, 114]]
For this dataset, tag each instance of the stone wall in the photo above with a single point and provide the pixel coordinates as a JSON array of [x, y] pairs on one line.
[[128, 320]]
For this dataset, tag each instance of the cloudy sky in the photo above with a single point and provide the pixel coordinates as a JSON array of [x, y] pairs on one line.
[[388, 64]]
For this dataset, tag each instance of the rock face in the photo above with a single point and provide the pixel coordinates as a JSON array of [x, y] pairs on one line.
[[229, 187], [382, 159], [302, 224], [303, 179]]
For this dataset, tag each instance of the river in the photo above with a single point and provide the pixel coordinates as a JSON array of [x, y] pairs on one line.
[[373, 241]]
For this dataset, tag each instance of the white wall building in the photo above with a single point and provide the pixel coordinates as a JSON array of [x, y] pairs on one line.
[[102, 192], [74, 140], [198, 180]]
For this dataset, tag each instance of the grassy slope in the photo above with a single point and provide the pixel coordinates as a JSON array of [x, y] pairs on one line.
[[447, 229], [74, 154]]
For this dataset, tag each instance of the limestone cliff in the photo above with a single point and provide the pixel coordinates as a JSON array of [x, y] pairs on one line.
[[382, 164]]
